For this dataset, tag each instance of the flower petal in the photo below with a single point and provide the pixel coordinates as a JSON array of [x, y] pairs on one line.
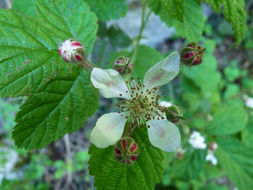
[[109, 82], [164, 135], [163, 72], [108, 130]]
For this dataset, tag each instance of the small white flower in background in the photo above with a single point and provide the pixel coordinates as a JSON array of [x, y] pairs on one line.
[[249, 102], [165, 104], [211, 157], [72, 51], [140, 105], [197, 141]]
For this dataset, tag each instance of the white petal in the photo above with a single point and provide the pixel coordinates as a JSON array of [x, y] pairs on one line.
[[164, 135], [109, 82], [165, 104], [163, 72], [108, 130]]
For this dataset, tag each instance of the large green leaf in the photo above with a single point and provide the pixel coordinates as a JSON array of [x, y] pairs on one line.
[[67, 19], [236, 159], [60, 94], [234, 12], [60, 106], [173, 8], [113, 175], [108, 10], [24, 6], [190, 166], [29, 50], [228, 119], [247, 133], [193, 19]]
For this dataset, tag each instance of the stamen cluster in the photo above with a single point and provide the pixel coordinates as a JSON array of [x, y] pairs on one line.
[[143, 105]]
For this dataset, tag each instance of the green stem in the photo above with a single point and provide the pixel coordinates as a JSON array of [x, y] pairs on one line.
[[144, 21]]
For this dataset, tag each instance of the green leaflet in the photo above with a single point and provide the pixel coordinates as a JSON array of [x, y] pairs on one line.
[[173, 8], [60, 94], [190, 166], [68, 19], [113, 175], [236, 159], [29, 50], [234, 12], [108, 10], [193, 20], [228, 119], [24, 6], [60, 107]]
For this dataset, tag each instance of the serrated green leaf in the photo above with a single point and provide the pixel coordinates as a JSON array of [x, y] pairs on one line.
[[108, 10], [236, 160], [68, 19], [113, 175], [190, 166], [193, 20], [175, 8], [234, 12], [59, 107], [247, 133], [60, 94], [228, 119], [29, 49], [25, 6]]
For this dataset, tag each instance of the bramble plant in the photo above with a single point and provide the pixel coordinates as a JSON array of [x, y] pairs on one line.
[[45, 56]]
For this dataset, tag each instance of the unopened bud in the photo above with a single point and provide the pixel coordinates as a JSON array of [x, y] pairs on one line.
[[126, 150], [192, 54], [213, 146], [123, 65], [174, 113], [72, 51]]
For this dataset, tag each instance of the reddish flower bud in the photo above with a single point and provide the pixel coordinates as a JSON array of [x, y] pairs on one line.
[[174, 113], [213, 146], [72, 51], [123, 65], [192, 55], [126, 150]]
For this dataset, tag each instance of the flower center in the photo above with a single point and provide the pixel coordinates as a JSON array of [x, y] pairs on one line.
[[143, 104]]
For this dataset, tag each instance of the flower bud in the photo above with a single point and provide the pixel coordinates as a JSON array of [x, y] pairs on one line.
[[174, 113], [123, 65], [72, 51], [213, 146], [192, 55], [126, 150]]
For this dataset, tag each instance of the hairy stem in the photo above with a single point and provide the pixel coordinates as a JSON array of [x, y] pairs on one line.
[[68, 159]]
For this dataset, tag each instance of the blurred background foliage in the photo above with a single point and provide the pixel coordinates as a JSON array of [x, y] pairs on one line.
[[215, 97]]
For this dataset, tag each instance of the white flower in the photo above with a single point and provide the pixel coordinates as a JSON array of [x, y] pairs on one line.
[[249, 102], [165, 104], [197, 141], [211, 157], [139, 107]]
